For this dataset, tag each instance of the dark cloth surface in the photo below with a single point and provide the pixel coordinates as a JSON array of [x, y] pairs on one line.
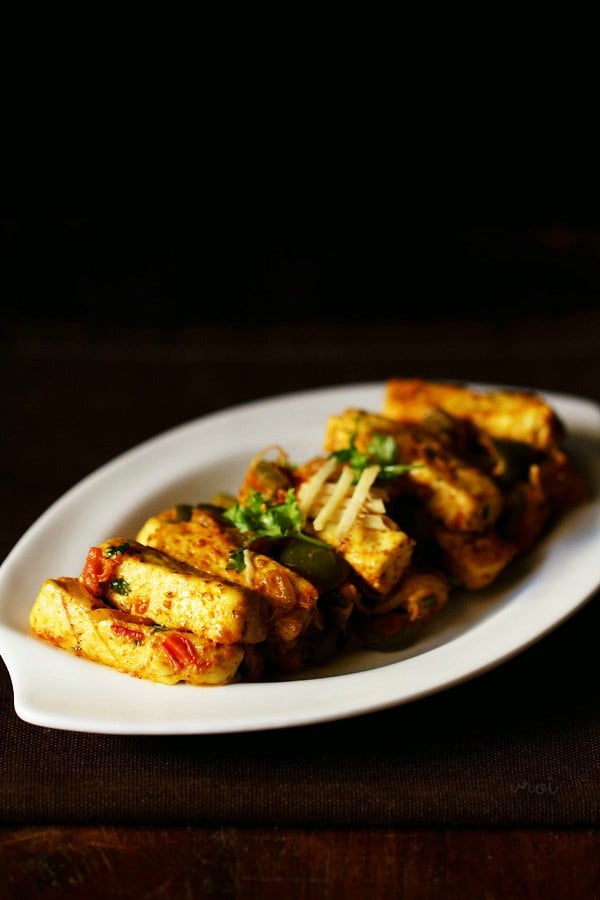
[[516, 746]]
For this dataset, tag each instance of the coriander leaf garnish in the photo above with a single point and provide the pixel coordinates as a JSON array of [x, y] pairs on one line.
[[119, 586], [116, 550], [259, 517], [380, 451]]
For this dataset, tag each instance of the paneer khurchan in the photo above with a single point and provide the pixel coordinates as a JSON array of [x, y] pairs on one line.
[[358, 547]]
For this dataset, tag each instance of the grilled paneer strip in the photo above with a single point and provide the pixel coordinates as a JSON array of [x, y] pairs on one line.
[[514, 415], [206, 542], [148, 582], [353, 521], [457, 494], [66, 614], [379, 556], [196, 540]]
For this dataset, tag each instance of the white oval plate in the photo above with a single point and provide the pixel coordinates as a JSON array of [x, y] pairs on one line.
[[475, 632]]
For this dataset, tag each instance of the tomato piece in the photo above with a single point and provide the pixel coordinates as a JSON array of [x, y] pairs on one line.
[[180, 650], [97, 571], [124, 631]]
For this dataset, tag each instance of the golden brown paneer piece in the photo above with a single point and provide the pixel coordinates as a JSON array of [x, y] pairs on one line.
[[147, 582], [513, 415], [352, 519], [67, 615], [206, 542], [379, 556], [474, 560], [455, 493]]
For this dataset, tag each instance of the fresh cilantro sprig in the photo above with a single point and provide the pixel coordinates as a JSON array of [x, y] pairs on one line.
[[264, 518], [259, 517], [380, 451], [115, 550], [120, 586]]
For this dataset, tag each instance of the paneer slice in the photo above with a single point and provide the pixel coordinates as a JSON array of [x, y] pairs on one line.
[[196, 541], [206, 542], [147, 582], [511, 415], [475, 560], [378, 555], [455, 493], [67, 615], [351, 518]]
